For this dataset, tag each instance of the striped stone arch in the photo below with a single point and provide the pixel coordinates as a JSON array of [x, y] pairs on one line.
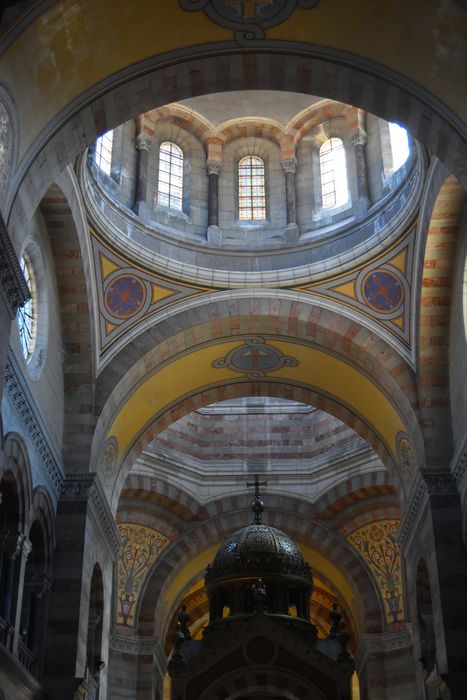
[[434, 321], [16, 463], [157, 491], [254, 127], [236, 389], [154, 618], [66, 228], [274, 314], [349, 492], [304, 68], [313, 116], [180, 116]]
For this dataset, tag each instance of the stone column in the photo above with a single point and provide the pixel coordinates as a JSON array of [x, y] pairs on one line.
[[289, 166], [84, 526], [431, 529], [23, 550], [143, 143], [359, 141], [214, 234]]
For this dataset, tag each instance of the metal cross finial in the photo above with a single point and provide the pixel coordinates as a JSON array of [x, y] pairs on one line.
[[257, 503]]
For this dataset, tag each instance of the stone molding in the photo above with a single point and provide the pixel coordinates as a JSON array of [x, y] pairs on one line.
[[440, 483], [383, 643], [413, 513], [460, 463], [87, 488], [13, 287], [11, 667], [430, 483], [289, 165], [138, 646], [213, 167], [22, 400]]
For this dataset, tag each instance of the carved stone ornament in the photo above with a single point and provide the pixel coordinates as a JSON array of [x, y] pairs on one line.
[[13, 286], [383, 643], [213, 167], [248, 18], [143, 142], [19, 394], [289, 165]]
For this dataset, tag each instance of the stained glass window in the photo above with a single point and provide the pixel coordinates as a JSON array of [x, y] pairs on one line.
[[251, 193], [399, 145], [334, 188], [170, 187], [26, 317]]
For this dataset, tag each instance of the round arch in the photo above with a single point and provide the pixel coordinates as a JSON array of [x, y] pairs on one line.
[[83, 111], [185, 561]]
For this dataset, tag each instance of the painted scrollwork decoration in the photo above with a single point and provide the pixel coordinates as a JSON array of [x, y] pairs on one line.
[[248, 18], [141, 547]]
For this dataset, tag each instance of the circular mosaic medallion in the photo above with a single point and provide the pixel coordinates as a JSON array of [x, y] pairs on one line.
[[383, 291], [125, 296]]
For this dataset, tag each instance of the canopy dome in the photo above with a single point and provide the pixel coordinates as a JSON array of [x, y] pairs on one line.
[[258, 550]]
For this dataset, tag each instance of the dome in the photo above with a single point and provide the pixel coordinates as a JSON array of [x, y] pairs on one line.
[[258, 550]]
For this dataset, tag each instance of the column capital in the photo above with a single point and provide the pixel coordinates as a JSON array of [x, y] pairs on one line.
[[23, 546], [143, 142], [213, 167], [289, 165], [360, 137]]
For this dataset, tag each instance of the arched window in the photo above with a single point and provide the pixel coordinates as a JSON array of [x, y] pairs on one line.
[[170, 187], [103, 152], [400, 148], [251, 192], [334, 188], [27, 317]]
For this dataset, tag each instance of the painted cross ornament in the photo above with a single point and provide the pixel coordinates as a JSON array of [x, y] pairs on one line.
[[248, 18]]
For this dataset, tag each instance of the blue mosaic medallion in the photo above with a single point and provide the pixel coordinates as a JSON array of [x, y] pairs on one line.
[[383, 291], [125, 296]]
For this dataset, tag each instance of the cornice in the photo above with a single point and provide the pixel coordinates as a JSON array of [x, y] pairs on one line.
[[13, 287], [22, 400], [459, 462], [382, 644], [139, 646], [87, 488], [413, 513], [10, 666]]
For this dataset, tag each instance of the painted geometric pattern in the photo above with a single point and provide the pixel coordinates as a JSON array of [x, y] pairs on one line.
[[128, 295], [140, 549], [379, 290], [376, 543]]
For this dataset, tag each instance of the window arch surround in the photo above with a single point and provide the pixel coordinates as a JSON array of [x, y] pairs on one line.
[[333, 171], [170, 177], [34, 346], [251, 189]]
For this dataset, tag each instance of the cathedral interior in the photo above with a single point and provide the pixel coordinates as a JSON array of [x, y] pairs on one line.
[[233, 240]]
